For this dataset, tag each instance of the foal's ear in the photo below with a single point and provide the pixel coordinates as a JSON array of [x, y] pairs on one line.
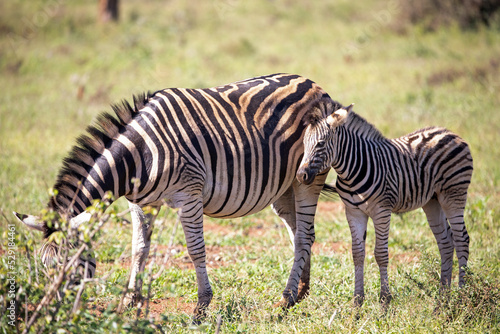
[[339, 116]]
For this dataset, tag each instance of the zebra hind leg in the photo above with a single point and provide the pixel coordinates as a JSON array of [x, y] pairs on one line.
[[284, 208], [191, 218], [453, 208], [382, 223], [141, 243], [442, 232], [358, 222]]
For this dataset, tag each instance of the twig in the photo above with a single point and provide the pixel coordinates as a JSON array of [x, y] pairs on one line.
[[59, 252], [41, 328], [18, 294], [331, 318], [158, 327], [26, 308], [36, 269], [167, 255], [5, 217], [420, 285], [124, 293], [363, 325], [219, 323], [80, 290], [123, 213], [29, 263]]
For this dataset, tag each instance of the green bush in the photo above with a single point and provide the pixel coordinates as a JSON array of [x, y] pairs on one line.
[[432, 14]]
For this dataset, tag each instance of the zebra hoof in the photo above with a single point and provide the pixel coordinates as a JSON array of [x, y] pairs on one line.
[[281, 304], [385, 300], [358, 300], [130, 300], [200, 312], [285, 303]]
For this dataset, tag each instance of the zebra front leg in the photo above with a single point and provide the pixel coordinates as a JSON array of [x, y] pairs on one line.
[[142, 228], [306, 201], [284, 207], [191, 217], [442, 232], [381, 223], [358, 222]]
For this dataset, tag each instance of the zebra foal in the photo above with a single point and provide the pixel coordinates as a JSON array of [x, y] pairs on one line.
[[430, 168], [225, 152]]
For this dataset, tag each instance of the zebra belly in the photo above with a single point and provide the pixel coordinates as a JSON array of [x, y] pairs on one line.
[[234, 206], [410, 204], [244, 211]]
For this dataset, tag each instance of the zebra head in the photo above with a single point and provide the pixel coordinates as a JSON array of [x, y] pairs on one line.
[[319, 144], [49, 252]]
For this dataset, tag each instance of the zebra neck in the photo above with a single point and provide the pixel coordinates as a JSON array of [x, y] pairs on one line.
[[356, 149], [78, 188]]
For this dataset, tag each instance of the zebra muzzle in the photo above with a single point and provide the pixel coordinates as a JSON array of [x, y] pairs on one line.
[[305, 175]]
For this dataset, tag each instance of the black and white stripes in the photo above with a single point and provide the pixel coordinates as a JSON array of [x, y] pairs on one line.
[[429, 168], [225, 152]]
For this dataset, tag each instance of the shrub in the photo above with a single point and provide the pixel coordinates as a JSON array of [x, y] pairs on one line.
[[432, 14]]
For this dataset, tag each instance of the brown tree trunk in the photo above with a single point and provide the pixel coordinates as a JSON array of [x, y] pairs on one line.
[[108, 10]]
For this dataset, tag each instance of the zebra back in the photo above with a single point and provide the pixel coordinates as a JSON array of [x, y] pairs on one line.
[[239, 144], [402, 173]]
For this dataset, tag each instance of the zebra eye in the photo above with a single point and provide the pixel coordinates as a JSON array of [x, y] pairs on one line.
[[320, 144]]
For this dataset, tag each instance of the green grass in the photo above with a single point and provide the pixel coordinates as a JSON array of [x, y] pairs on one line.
[[49, 50]]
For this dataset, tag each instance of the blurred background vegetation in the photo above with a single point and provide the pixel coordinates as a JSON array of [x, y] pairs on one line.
[[406, 65]]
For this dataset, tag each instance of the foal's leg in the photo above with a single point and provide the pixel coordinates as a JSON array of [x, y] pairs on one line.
[[453, 207], [381, 222], [358, 222], [284, 207], [442, 232]]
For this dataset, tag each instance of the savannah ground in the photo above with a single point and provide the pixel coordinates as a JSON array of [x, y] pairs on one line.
[[59, 68]]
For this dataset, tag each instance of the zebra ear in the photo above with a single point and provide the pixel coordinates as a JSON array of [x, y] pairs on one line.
[[339, 116], [32, 222], [349, 108]]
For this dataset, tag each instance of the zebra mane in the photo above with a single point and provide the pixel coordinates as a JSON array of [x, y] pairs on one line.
[[87, 148], [362, 127]]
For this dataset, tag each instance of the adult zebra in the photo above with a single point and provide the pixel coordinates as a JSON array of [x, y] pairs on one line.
[[225, 152], [429, 168]]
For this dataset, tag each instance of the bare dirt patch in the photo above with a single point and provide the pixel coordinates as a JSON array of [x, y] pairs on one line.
[[409, 257], [156, 307], [170, 305], [217, 256], [330, 210], [326, 248]]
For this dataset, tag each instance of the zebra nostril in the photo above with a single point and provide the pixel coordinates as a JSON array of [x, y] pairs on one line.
[[305, 176]]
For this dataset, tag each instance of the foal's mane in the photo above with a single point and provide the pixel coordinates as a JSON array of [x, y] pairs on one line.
[[359, 125]]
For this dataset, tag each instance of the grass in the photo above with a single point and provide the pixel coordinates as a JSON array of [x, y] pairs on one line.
[[59, 69]]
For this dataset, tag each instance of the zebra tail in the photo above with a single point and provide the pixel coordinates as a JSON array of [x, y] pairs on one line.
[[329, 191]]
